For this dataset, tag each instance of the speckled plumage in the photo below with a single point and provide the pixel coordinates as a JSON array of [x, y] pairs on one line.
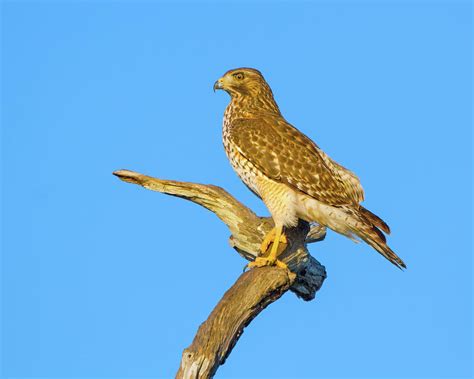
[[291, 174]]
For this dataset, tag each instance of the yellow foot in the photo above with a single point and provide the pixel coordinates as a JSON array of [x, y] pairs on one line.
[[266, 261], [270, 238], [275, 237]]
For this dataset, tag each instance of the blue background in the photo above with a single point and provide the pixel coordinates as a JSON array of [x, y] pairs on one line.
[[105, 279]]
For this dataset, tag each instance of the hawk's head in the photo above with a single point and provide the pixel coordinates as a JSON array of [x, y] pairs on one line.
[[243, 82]]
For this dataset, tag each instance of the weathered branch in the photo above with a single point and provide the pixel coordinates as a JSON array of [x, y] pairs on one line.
[[255, 289], [216, 337]]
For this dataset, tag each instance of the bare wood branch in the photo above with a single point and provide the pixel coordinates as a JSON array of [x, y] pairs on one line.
[[251, 293], [255, 289], [214, 198], [247, 229]]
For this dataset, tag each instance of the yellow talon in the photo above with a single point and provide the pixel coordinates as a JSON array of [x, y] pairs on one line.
[[270, 238], [264, 261], [275, 237]]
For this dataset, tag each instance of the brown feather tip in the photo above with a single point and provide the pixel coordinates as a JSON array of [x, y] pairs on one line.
[[376, 220]]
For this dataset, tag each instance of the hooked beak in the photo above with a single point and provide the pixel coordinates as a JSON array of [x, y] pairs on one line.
[[218, 85]]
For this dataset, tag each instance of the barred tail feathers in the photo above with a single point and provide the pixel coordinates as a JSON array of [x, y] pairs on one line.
[[368, 230], [352, 222], [371, 236], [374, 219]]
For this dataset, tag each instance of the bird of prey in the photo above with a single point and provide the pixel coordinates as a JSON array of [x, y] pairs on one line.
[[289, 172]]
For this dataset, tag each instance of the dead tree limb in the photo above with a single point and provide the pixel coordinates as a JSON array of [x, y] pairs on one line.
[[254, 290]]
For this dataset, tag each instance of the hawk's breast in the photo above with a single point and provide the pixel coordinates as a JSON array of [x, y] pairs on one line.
[[245, 169]]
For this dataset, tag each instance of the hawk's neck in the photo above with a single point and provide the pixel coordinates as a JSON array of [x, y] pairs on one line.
[[246, 106]]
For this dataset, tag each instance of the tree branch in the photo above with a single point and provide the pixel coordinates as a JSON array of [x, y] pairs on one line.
[[254, 290]]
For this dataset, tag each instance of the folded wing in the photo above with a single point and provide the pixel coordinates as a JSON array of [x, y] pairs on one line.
[[285, 154]]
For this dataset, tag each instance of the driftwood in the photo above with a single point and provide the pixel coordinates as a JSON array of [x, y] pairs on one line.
[[254, 289]]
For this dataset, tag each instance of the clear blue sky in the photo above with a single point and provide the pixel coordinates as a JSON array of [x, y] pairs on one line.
[[105, 279]]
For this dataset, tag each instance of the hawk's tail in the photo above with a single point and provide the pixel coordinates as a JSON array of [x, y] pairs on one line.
[[368, 227], [353, 221], [374, 219]]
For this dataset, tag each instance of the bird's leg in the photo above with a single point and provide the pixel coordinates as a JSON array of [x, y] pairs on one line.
[[279, 237], [267, 241], [275, 236]]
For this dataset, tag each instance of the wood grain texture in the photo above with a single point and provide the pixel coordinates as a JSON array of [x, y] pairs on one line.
[[253, 290], [251, 293]]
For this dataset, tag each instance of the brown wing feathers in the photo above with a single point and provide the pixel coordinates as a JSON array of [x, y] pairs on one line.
[[284, 154]]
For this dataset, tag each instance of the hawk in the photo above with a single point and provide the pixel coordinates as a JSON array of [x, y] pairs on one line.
[[289, 172]]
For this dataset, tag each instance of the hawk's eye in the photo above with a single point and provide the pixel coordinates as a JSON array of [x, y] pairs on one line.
[[238, 75]]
